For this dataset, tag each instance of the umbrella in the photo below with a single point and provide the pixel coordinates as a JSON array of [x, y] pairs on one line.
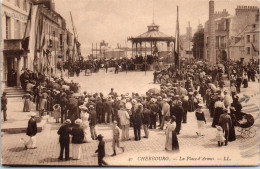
[[154, 91]]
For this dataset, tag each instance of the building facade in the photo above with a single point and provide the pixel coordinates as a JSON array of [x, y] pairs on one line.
[[14, 14], [49, 45], [234, 35]]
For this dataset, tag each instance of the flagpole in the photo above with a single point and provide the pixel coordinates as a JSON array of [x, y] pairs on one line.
[[178, 38]]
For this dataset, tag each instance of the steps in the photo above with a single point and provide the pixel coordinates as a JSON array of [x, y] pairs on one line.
[[12, 92]]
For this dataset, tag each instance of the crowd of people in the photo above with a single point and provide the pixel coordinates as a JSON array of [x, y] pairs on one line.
[[192, 89]]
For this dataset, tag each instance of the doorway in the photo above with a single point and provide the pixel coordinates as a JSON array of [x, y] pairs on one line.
[[11, 72]]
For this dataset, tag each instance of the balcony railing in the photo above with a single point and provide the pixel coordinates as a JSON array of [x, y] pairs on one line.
[[13, 44]]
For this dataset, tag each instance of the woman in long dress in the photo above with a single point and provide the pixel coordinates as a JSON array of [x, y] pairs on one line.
[[27, 102], [171, 143], [85, 123], [77, 139]]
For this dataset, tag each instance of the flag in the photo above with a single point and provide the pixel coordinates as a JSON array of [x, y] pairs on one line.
[[25, 41], [177, 42]]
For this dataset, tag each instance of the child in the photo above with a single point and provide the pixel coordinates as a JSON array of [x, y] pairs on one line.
[[101, 150], [115, 141], [56, 112], [220, 136]]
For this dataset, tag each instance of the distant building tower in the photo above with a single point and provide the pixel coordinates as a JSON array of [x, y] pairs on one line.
[[211, 57], [189, 35]]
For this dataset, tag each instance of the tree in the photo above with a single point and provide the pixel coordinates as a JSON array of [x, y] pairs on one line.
[[198, 44]]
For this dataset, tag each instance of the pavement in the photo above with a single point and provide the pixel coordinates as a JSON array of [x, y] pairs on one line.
[[194, 150]]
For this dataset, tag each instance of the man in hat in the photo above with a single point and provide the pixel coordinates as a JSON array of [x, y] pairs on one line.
[[99, 109], [4, 105], [225, 122], [124, 121], [154, 110], [178, 113], [64, 132], [165, 112], [101, 150], [116, 135], [31, 132]]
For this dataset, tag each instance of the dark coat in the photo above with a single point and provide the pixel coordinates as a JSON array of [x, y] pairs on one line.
[[146, 116], [178, 112], [99, 106], [64, 133], [225, 121], [92, 118], [137, 118], [3, 103], [32, 127], [101, 149], [77, 135]]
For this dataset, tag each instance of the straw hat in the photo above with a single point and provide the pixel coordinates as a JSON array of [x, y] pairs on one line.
[[128, 106], [200, 104], [78, 121], [114, 122], [219, 128], [134, 101], [91, 107], [33, 114]]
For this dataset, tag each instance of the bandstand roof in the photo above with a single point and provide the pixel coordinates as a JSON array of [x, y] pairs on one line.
[[153, 34]]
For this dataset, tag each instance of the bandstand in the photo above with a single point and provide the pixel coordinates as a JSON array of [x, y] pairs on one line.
[[152, 37]]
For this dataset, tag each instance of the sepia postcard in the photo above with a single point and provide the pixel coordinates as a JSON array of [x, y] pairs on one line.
[[129, 83]]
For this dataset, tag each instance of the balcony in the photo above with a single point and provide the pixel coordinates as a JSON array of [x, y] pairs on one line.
[[13, 44], [13, 47]]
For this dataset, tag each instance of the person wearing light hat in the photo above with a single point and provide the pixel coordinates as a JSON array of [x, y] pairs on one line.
[[220, 136], [77, 139], [64, 139], [85, 123], [124, 118], [56, 112], [200, 120], [31, 131], [165, 112], [115, 140]]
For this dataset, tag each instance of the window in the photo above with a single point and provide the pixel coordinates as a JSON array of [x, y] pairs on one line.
[[8, 27], [248, 50], [254, 38], [248, 38]]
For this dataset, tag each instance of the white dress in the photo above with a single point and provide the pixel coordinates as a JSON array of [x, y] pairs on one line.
[[85, 126]]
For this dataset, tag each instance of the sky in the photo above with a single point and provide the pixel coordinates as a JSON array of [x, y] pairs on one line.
[[115, 20]]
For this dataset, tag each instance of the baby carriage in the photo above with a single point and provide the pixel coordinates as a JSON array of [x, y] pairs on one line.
[[245, 126]]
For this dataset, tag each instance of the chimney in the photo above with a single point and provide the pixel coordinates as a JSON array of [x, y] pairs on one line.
[[212, 37]]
